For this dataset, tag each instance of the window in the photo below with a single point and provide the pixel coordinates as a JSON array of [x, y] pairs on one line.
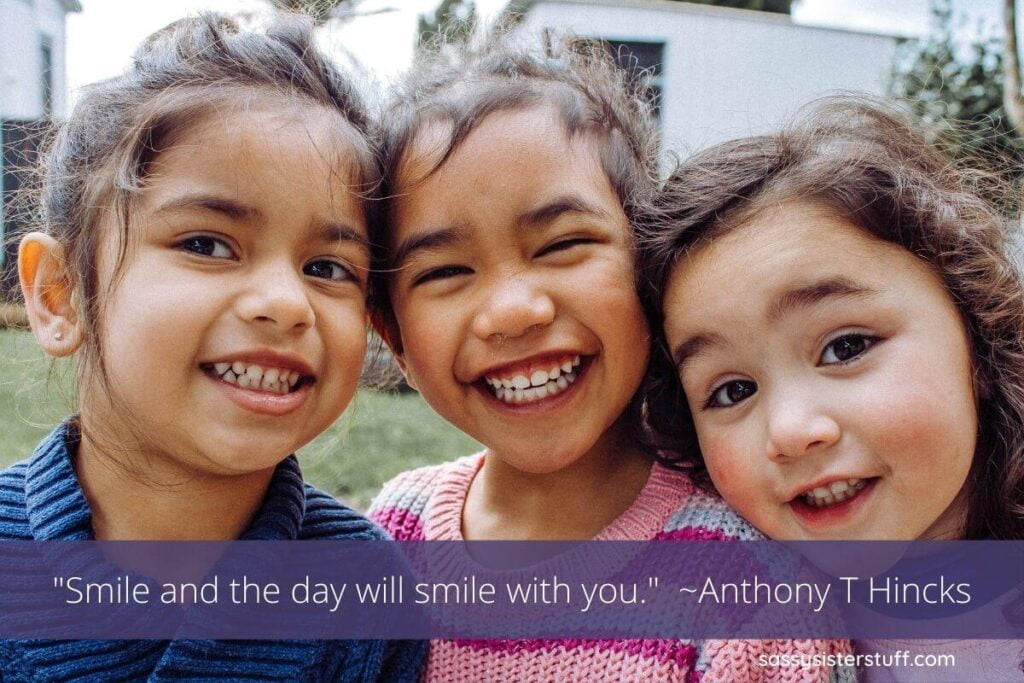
[[635, 55], [46, 63]]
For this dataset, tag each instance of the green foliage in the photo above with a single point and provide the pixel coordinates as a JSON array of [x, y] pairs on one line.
[[454, 19], [956, 87], [778, 6], [379, 436], [320, 10]]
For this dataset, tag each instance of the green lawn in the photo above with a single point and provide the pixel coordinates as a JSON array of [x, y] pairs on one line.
[[379, 436]]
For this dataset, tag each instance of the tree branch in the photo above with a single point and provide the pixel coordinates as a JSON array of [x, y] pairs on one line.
[[1013, 102]]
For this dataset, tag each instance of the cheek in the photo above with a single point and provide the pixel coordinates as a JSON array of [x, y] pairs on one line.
[[730, 460], [345, 337]]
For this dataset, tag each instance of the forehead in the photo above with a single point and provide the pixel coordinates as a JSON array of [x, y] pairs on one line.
[[268, 150], [505, 165], [741, 272]]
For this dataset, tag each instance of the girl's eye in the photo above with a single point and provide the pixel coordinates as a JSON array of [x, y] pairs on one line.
[[328, 270], [846, 348], [562, 245], [442, 273], [206, 246], [731, 393]]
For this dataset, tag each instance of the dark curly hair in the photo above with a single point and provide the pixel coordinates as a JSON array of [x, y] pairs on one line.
[[96, 163], [871, 165], [460, 84]]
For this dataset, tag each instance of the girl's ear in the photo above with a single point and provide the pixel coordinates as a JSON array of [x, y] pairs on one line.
[[385, 325], [46, 286]]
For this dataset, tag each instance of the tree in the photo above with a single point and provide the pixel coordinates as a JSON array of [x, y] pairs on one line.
[[1013, 101], [778, 6], [320, 10], [456, 19], [957, 87]]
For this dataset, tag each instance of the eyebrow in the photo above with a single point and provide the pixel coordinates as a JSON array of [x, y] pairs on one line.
[[426, 241], [340, 232], [554, 209], [815, 293], [206, 202], [691, 347]]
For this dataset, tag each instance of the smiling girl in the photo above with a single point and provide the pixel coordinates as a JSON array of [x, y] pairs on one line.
[[515, 176], [843, 337], [203, 257]]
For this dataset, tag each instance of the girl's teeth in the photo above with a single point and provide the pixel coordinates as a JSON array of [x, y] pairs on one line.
[[540, 384], [254, 376], [836, 492]]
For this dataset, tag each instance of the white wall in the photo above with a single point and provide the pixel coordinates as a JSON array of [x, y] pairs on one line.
[[22, 25], [728, 73]]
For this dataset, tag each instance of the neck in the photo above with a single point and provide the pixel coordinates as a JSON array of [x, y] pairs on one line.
[[161, 500], [573, 503]]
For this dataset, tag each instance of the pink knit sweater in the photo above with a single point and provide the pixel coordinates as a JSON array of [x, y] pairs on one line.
[[427, 504]]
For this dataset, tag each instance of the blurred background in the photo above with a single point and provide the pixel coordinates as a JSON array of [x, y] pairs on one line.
[[716, 70]]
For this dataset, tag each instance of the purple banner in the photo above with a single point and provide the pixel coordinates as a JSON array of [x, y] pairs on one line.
[[374, 589]]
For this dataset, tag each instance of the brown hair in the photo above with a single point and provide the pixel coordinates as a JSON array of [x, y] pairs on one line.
[[461, 84], [868, 163], [96, 163]]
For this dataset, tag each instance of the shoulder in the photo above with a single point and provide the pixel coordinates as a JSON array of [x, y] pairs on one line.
[[704, 515], [400, 506], [327, 518], [13, 506]]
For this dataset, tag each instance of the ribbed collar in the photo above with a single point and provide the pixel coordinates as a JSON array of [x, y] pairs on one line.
[[58, 510]]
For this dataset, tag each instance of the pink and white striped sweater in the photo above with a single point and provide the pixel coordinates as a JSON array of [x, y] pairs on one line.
[[427, 503]]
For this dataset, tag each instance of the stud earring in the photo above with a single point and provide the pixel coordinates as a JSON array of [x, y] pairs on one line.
[[58, 335]]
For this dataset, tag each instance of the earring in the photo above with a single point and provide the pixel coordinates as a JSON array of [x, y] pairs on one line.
[[58, 335]]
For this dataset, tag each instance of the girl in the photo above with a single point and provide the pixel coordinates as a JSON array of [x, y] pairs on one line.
[[515, 176], [843, 337], [203, 258]]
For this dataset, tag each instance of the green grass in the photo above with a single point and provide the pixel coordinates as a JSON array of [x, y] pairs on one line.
[[379, 436]]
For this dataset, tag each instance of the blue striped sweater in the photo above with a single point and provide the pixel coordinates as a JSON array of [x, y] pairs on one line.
[[40, 499]]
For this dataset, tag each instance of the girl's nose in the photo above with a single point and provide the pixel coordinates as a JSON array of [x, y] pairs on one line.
[[512, 308], [798, 426], [277, 297]]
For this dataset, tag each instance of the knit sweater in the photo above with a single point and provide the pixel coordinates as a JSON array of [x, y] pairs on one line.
[[40, 499], [427, 504]]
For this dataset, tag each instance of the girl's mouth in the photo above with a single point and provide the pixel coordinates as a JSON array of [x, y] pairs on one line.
[[834, 501], [529, 385], [258, 377]]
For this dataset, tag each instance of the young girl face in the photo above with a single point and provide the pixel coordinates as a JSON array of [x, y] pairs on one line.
[[235, 328], [514, 295], [829, 378]]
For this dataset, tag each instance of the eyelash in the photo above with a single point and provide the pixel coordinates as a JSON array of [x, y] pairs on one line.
[[441, 273], [868, 341], [713, 400], [192, 246], [444, 272], [562, 245], [196, 245], [346, 273]]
